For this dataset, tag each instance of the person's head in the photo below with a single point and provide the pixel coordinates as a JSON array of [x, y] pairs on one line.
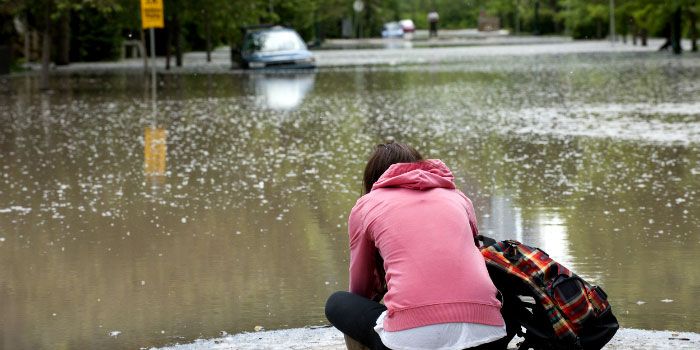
[[385, 155]]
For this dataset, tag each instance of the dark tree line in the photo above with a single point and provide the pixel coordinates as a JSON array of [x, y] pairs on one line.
[[63, 31]]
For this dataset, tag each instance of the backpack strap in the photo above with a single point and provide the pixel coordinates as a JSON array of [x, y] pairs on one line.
[[487, 241]]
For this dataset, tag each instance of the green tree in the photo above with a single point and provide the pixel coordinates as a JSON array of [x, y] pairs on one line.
[[51, 18]]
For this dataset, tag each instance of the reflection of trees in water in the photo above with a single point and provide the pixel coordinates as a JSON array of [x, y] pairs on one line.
[[627, 211]]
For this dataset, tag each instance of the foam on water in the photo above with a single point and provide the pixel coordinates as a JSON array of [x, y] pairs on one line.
[[635, 121]]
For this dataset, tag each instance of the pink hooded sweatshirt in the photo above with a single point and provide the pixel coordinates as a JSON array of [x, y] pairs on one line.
[[424, 229]]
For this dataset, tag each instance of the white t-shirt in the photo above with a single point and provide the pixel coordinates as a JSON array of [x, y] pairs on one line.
[[441, 336]]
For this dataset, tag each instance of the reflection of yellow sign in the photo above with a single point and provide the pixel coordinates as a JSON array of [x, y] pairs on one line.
[[152, 14], [154, 151]]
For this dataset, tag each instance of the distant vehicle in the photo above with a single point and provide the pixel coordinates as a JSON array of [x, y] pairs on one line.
[[392, 30], [275, 47], [407, 26]]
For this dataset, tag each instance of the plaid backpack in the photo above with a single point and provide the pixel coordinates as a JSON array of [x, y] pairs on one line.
[[556, 308]]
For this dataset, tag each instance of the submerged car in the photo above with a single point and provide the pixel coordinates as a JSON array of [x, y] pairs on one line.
[[275, 47]]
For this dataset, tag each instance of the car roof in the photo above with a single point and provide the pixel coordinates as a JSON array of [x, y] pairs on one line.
[[269, 29]]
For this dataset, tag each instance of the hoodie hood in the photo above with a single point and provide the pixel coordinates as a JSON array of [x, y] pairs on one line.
[[421, 176]]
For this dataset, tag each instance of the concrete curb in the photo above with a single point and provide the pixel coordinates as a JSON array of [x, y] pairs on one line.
[[195, 62]]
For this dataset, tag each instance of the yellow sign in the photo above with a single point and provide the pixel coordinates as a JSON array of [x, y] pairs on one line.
[[152, 14], [154, 151]]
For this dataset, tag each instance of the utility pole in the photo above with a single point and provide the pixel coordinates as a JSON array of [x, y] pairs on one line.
[[358, 6]]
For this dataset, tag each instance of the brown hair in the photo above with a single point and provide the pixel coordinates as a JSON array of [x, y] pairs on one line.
[[385, 155]]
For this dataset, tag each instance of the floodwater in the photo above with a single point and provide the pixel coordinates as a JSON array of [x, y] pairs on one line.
[[226, 210]]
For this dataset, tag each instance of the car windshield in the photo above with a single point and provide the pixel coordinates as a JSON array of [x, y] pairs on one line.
[[392, 26], [278, 40]]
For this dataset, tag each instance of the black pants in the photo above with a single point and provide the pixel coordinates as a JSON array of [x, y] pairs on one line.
[[356, 317], [433, 29]]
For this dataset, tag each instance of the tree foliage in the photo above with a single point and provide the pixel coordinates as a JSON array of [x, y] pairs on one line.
[[96, 28]]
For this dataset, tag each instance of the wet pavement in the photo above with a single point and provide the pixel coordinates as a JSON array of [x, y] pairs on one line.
[[394, 52], [331, 339]]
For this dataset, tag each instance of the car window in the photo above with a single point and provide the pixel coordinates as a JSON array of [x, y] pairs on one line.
[[392, 26], [269, 41]]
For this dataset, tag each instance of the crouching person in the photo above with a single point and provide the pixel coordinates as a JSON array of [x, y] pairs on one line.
[[412, 245]]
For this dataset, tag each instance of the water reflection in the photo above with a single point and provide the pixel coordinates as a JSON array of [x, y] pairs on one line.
[[542, 227], [281, 91], [502, 220], [552, 237], [154, 153], [394, 43]]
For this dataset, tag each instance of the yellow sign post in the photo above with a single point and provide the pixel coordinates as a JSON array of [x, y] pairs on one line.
[[152, 17], [152, 14]]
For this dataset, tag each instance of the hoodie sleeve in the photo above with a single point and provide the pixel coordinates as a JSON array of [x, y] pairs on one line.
[[364, 279], [470, 214]]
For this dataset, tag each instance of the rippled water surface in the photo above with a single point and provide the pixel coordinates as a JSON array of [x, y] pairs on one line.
[[227, 209]]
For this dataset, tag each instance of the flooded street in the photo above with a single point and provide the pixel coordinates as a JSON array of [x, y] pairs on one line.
[[227, 210]]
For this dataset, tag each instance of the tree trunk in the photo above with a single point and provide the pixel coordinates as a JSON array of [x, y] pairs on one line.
[[668, 34], [36, 45], [207, 29], [27, 41], [167, 48], [676, 31], [45, 51], [368, 20], [536, 30], [317, 30], [692, 17], [178, 41], [517, 18], [63, 50], [644, 36], [144, 52], [234, 54]]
